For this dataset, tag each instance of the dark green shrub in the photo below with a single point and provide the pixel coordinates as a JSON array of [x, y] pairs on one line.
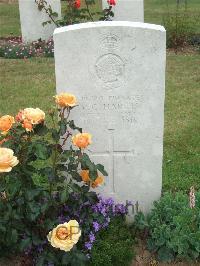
[[178, 30], [173, 228], [179, 25], [195, 40], [114, 246]]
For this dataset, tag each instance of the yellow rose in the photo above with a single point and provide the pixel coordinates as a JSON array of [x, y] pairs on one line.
[[82, 140], [65, 236], [7, 160], [66, 100], [6, 123], [86, 178], [33, 115]]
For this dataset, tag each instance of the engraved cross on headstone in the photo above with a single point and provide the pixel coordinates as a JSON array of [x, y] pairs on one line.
[[112, 153]]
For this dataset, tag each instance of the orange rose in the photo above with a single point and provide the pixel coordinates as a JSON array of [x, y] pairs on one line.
[[7, 160], [82, 140], [86, 178], [27, 125], [33, 115], [99, 181], [6, 123], [66, 100]]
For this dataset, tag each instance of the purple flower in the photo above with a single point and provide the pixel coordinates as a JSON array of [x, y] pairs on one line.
[[61, 218], [27, 251], [50, 264], [66, 208], [107, 219], [92, 237], [40, 248], [105, 225], [120, 209], [96, 226], [110, 201], [88, 245]]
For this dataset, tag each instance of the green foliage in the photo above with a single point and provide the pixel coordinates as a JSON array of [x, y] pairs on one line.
[[173, 227], [76, 11], [34, 192], [114, 246]]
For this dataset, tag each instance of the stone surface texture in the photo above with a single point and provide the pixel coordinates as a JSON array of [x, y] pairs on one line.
[[31, 20], [117, 71]]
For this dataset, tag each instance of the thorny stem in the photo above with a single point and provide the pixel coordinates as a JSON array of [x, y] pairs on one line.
[[54, 124], [65, 139], [62, 116], [88, 10], [47, 11]]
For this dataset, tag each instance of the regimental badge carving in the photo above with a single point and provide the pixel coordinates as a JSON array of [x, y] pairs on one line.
[[110, 69], [110, 42]]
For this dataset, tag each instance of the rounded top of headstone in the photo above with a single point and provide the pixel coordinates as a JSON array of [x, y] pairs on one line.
[[99, 24]]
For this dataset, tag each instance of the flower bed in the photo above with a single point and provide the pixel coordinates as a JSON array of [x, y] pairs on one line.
[[14, 48], [49, 210]]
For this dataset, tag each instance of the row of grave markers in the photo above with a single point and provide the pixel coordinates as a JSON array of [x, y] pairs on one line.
[[31, 18], [118, 76]]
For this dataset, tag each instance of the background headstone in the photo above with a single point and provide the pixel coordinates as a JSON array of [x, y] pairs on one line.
[[31, 20], [127, 10], [117, 71]]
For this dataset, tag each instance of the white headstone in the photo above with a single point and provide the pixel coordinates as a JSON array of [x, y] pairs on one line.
[[127, 10], [31, 20], [117, 72]]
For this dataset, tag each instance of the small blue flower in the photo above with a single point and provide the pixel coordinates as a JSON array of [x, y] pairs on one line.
[[92, 237], [88, 245], [96, 226]]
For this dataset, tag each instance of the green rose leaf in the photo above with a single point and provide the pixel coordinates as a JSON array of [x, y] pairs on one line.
[[40, 130], [25, 243], [74, 127], [41, 151], [64, 195], [100, 167]]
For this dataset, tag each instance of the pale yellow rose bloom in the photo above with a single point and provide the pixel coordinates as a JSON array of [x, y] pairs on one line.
[[65, 236], [33, 115], [65, 100], [82, 140], [7, 160]]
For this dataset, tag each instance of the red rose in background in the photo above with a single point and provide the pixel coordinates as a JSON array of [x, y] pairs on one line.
[[111, 2], [77, 4]]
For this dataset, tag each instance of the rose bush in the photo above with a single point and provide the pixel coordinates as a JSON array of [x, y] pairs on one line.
[[76, 11], [47, 210]]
